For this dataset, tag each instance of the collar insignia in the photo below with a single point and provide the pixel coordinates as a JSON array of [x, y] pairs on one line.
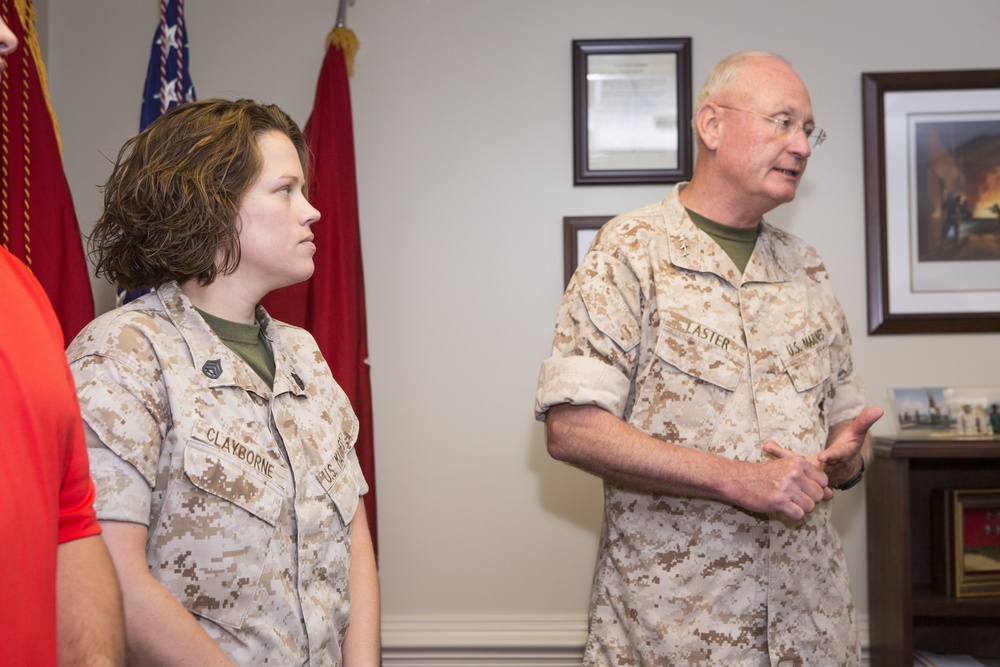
[[212, 369]]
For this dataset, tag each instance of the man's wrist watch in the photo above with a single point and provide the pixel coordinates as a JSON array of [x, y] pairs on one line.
[[854, 480]]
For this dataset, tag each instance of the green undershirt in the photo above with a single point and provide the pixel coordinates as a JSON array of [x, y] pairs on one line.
[[246, 340], [737, 242]]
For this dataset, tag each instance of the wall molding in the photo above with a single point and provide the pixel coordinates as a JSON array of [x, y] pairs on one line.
[[497, 641], [483, 641]]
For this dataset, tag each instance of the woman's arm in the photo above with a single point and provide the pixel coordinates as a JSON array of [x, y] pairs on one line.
[[159, 630], [363, 643]]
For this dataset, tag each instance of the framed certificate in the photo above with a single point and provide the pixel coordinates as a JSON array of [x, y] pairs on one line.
[[632, 111]]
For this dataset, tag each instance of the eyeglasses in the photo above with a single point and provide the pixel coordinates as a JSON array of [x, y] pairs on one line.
[[787, 127]]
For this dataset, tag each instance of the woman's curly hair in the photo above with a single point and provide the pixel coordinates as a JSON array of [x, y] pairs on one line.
[[172, 202]]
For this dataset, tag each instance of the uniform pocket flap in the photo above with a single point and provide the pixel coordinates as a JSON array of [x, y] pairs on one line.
[[808, 370], [703, 354], [343, 486], [251, 482]]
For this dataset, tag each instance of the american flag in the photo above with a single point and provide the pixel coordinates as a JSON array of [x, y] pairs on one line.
[[168, 79]]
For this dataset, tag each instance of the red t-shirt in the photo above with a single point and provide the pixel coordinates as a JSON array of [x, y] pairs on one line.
[[46, 494]]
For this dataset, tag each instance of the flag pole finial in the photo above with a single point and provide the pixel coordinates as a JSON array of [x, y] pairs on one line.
[[342, 13], [343, 38]]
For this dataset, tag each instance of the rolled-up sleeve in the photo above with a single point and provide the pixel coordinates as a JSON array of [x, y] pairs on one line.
[[123, 411], [596, 336]]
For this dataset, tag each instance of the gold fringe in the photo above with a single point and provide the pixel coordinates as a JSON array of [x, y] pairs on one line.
[[27, 13], [345, 40]]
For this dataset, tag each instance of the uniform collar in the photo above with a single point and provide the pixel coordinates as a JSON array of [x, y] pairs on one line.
[[220, 366], [692, 249]]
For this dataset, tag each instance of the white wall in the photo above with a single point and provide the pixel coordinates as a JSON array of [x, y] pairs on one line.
[[463, 132]]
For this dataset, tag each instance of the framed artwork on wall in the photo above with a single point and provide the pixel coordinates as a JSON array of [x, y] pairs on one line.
[[632, 111], [932, 200], [578, 234]]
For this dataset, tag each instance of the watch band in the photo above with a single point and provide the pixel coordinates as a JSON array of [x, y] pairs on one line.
[[854, 480]]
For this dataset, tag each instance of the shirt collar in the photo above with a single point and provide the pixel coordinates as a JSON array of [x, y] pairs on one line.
[[221, 366], [692, 249]]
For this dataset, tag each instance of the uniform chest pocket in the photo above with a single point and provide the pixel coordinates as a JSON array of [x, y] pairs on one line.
[[710, 358], [686, 386], [211, 539], [808, 370], [799, 398], [246, 478], [341, 484]]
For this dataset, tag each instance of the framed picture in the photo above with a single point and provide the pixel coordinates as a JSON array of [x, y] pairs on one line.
[[632, 110], [932, 201], [920, 412], [966, 525], [578, 234], [951, 413]]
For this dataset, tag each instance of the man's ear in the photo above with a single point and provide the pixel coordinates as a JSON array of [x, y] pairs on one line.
[[707, 124]]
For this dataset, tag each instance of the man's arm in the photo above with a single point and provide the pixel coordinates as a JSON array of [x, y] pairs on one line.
[[363, 643], [159, 629], [90, 625], [597, 441]]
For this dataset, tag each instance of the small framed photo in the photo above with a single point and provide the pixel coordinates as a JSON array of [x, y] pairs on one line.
[[932, 203], [632, 110], [920, 412], [949, 413], [966, 524], [578, 234]]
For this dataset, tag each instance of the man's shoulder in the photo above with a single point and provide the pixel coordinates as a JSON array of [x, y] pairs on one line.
[[789, 246], [638, 224]]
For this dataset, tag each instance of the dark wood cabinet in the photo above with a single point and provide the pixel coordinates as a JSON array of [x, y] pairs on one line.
[[904, 610]]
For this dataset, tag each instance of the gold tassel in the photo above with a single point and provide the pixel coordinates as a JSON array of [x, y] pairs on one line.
[[345, 40], [27, 13]]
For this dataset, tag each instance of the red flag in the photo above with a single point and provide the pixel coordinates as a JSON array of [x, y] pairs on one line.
[[39, 223], [331, 305]]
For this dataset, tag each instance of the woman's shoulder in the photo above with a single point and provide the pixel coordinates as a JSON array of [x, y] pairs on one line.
[[137, 327]]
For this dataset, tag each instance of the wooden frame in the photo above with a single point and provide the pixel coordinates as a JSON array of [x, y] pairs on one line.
[[632, 111], [966, 542], [578, 234], [927, 137]]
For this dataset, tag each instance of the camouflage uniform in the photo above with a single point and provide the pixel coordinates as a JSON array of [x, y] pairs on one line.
[[659, 328], [248, 493]]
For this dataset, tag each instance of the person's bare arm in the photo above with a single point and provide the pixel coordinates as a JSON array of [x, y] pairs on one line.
[[90, 625], [363, 643], [597, 441], [159, 630]]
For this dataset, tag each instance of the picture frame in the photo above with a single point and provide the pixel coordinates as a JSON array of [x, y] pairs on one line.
[[578, 234], [932, 232], [945, 413], [966, 542], [632, 111], [919, 412]]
